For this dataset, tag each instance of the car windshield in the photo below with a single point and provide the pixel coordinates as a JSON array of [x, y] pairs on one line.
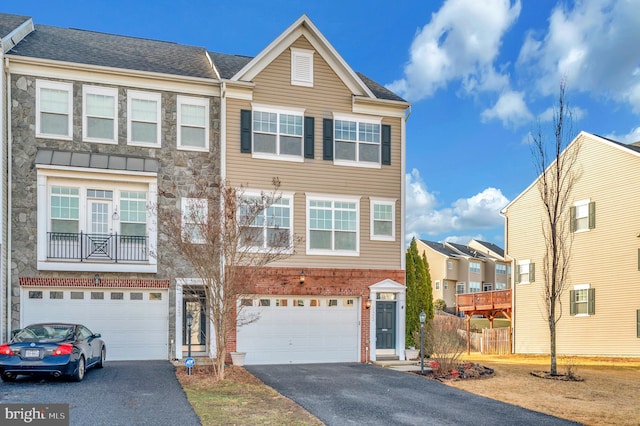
[[44, 332]]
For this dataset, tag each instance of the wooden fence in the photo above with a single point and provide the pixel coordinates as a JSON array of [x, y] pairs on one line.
[[496, 341]]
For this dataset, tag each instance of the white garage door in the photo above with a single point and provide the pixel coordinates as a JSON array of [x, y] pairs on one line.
[[294, 329], [133, 323]]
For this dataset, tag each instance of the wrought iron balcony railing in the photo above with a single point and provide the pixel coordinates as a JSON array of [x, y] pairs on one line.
[[97, 247]]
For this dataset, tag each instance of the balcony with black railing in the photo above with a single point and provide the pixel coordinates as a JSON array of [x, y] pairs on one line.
[[105, 248]]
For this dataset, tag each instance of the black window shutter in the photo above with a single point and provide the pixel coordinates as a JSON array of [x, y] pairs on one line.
[[386, 144], [572, 302], [592, 215], [572, 219], [638, 259], [327, 139], [309, 136], [532, 272], [245, 131], [592, 301], [638, 323]]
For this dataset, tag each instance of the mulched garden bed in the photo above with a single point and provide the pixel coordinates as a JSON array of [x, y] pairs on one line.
[[464, 371], [562, 377]]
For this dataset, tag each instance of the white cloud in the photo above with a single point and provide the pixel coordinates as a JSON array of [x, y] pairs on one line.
[[460, 43], [510, 108], [480, 211], [631, 137], [593, 45]]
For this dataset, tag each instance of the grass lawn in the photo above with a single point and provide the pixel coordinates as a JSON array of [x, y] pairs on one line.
[[240, 399], [480, 323]]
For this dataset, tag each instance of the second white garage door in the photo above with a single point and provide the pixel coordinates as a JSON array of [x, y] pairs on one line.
[[297, 330], [133, 322]]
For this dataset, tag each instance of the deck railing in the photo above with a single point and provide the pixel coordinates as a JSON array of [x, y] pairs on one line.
[[83, 247], [486, 300]]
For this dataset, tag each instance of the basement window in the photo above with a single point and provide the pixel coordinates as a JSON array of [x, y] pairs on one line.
[[35, 295]]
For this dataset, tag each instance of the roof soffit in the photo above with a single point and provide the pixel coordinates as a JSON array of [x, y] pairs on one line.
[[304, 27]]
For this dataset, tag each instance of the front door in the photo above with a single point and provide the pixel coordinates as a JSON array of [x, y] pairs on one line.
[[194, 302], [385, 324]]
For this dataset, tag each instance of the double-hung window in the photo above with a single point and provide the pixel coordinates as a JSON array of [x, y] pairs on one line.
[[54, 111], [100, 114], [582, 300], [193, 123], [525, 272], [133, 213], [333, 225], [194, 220], [383, 213], [474, 267], [143, 118], [474, 287], [501, 269], [583, 216], [357, 141], [266, 223], [64, 211], [277, 133]]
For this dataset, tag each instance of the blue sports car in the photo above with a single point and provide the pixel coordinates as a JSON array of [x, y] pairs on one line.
[[51, 349]]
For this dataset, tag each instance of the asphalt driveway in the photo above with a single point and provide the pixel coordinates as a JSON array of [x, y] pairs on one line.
[[122, 393], [361, 394]]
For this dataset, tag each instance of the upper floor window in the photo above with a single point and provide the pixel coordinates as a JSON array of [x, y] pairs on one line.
[[583, 216], [269, 223], [143, 118], [474, 287], [64, 210], [194, 219], [54, 111], [383, 213], [437, 285], [474, 267], [449, 265], [193, 123], [501, 269], [278, 133], [301, 67], [525, 272], [582, 300], [133, 213], [357, 140], [100, 118], [333, 225]]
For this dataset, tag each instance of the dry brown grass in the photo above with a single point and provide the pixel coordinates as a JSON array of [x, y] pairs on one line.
[[608, 395]]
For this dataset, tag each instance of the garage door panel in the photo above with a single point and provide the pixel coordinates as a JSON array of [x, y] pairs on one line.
[[131, 329], [301, 334]]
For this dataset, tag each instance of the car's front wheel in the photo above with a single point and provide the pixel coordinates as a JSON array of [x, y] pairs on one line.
[[103, 356], [79, 373]]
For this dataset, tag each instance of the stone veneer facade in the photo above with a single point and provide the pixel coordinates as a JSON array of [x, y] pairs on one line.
[[174, 179]]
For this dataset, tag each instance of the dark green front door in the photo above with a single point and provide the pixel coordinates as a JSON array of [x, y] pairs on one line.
[[385, 324]]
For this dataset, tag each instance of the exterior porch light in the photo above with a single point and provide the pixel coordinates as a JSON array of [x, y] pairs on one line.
[[367, 304], [302, 277], [423, 318], [189, 323], [115, 215], [96, 279]]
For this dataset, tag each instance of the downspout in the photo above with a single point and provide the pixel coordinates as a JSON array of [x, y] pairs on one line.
[[7, 249], [223, 130], [403, 184]]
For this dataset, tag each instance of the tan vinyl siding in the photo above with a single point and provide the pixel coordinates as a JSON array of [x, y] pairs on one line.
[[606, 258], [318, 176]]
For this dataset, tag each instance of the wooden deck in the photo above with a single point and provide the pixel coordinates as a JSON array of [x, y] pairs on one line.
[[488, 303]]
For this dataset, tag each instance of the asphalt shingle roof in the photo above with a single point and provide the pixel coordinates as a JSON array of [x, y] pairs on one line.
[[494, 248], [132, 53], [9, 23], [441, 248]]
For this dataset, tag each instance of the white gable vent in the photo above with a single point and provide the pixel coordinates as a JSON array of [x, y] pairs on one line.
[[301, 67]]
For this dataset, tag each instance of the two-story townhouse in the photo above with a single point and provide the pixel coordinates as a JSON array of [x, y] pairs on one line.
[[99, 125], [498, 269], [335, 139], [600, 305], [102, 125]]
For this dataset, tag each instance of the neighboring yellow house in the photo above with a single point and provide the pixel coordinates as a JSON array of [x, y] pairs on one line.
[[457, 269], [601, 302]]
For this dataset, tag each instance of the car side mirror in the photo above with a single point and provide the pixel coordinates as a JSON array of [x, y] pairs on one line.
[[96, 335]]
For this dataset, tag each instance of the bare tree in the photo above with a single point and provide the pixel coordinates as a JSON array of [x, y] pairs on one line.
[[227, 236], [557, 177]]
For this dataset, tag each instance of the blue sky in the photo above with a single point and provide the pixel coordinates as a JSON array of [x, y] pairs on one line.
[[481, 75]]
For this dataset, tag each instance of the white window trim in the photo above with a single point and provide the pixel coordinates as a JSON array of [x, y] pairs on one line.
[[278, 110], [56, 85], [577, 204], [521, 263], [336, 198], [281, 195], [148, 96], [388, 202], [471, 270], [306, 55], [190, 100], [101, 179], [583, 287], [99, 90], [357, 119], [185, 204]]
